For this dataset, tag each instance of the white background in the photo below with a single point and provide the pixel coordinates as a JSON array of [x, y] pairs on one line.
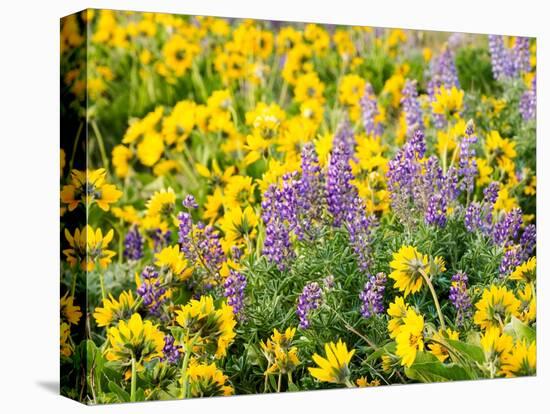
[[29, 136]]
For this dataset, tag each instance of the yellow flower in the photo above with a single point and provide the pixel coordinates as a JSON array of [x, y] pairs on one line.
[[219, 100], [138, 128], [484, 171], [161, 203], [265, 120], [364, 382], [528, 306], [495, 307], [88, 187], [282, 357], [351, 90], [216, 177], [504, 201], [134, 339], [177, 126], [207, 381], [69, 312], [500, 147], [408, 265], [309, 87], [121, 156], [88, 246], [495, 344], [66, 347], [410, 338], [206, 326], [436, 348], [526, 272], [239, 191], [150, 149], [115, 310], [393, 86], [335, 367], [214, 206], [448, 102], [520, 361], [126, 213], [179, 54], [397, 310], [239, 224], [172, 258]]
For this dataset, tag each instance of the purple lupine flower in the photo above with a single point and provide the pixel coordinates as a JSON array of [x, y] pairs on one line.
[[185, 227], [309, 300], [507, 228], [521, 56], [161, 239], [501, 59], [472, 217], [458, 295], [467, 165], [490, 193], [436, 212], [171, 351], [133, 244], [369, 109], [277, 247], [340, 193], [443, 72], [310, 194], [372, 296], [151, 290], [510, 260], [360, 228], [200, 242], [189, 202], [411, 107], [528, 102], [234, 286], [528, 242]]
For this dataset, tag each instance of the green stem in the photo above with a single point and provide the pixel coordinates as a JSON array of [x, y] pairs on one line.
[[102, 284], [100, 144], [133, 381], [436, 301], [349, 384], [184, 376], [279, 381], [75, 145]]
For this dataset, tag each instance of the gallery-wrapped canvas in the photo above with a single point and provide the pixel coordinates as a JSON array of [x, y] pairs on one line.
[[257, 206]]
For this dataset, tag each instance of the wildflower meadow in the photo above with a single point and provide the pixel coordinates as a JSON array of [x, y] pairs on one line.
[[257, 206]]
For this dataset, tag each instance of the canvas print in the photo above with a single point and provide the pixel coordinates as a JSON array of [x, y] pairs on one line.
[[255, 206]]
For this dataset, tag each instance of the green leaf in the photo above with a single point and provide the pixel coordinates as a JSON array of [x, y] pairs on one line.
[[122, 395], [427, 368], [473, 352], [520, 330]]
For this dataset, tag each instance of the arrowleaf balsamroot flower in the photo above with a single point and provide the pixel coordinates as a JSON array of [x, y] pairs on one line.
[[397, 310], [281, 355], [88, 187], [496, 306], [410, 339], [207, 380], [88, 246], [206, 326], [115, 310], [69, 311], [134, 339], [335, 367], [521, 360], [408, 264]]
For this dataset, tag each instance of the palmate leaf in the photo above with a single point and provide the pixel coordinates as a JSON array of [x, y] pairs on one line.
[[427, 368]]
